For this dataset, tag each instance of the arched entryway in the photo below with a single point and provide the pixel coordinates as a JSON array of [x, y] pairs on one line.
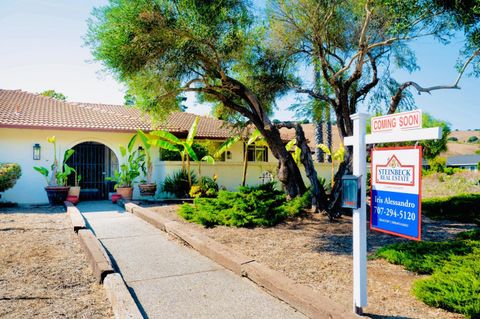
[[94, 162]]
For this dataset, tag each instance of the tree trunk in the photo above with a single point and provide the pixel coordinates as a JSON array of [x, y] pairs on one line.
[[288, 171], [319, 197], [319, 155], [245, 164]]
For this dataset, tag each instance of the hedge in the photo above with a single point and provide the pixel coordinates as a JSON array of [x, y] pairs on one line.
[[463, 208]]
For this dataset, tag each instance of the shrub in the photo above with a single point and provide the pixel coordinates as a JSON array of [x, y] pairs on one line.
[[437, 164], [454, 287], [251, 206], [199, 149], [452, 139], [472, 139], [454, 265], [463, 208], [177, 184], [9, 174], [207, 187]]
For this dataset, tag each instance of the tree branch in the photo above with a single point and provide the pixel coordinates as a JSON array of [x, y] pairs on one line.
[[397, 97]]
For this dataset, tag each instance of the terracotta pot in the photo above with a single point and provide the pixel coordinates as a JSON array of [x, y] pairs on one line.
[[148, 189], [57, 194], [74, 191], [126, 192]]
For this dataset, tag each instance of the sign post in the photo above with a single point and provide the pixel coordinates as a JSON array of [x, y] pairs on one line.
[[411, 130]]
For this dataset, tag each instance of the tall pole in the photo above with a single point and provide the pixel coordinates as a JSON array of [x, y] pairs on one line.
[[360, 215]]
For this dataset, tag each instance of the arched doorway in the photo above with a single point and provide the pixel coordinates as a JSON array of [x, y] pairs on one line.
[[94, 162]]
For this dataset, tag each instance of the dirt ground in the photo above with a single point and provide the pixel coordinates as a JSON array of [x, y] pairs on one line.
[[43, 270], [317, 253]]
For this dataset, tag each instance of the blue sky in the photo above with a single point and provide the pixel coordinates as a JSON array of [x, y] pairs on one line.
[[41, 48]]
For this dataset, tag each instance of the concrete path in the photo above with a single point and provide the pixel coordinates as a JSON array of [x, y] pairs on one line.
[[169, 280]]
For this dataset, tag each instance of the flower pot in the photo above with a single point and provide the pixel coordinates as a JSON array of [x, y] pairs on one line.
[[57, 194], [148, 189], [74, 191], [115, 198], [126, 192]]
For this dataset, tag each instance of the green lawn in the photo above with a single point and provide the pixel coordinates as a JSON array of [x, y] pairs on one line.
[[454, 266]]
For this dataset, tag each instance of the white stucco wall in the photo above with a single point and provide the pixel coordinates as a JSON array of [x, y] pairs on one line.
[[16, 146]]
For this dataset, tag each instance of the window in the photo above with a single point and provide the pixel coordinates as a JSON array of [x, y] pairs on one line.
[[257, 153]]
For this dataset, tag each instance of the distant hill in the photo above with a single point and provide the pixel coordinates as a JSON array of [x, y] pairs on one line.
[[462, 147]]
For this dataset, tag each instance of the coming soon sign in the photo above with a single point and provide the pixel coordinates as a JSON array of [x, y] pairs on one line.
[[396, 191], [397, 122]]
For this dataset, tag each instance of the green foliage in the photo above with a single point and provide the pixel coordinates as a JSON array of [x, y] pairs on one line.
[[130, 169], [472, 139], [464, 208], [9, 174], [454, 265], [54, 94], [437, 164], [207, 187], [177, 184], [251, 206], [168, 155], [58, 173], [452, 139]]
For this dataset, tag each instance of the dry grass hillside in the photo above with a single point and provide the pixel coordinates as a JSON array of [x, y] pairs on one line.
[[462, 147]]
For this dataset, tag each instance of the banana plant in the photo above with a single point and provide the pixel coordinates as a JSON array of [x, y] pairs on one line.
[[148, 167], [297, 153], [168, 141], [338, 156], [255, 137], [208, 159], [57, 177]]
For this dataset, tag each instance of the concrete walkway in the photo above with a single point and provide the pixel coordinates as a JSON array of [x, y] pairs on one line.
[[169, 280]]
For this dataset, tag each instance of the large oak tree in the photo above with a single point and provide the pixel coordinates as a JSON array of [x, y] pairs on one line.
[[162, 49]]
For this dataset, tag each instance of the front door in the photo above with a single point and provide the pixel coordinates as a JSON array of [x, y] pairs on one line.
[[93, 162]]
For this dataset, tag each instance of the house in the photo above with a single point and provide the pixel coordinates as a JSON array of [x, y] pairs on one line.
[[95, 132], [469, 162]]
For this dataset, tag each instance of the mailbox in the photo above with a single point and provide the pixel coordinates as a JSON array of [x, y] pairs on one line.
[[351, 191]]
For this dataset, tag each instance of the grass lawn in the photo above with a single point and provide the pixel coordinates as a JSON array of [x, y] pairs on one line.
[[454, 266]]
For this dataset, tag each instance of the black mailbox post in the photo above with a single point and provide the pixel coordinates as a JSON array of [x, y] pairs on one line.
[[351, 191]]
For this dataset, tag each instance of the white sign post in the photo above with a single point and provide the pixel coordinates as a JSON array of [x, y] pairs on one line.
[[359, 140]]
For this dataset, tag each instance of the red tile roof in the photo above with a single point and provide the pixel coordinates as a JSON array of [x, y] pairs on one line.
[[28, 110]]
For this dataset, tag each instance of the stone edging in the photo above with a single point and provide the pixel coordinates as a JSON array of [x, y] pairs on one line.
[[122, 302], [303, 298], [75, 216]]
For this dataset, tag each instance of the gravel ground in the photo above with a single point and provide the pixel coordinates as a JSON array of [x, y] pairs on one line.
[[317, 253], [44, 272]]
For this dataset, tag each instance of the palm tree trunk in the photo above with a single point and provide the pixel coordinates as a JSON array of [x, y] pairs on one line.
[[329, 131]]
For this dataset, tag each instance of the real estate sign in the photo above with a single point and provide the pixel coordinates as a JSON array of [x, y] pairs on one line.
[[397, 122], [396, 191]]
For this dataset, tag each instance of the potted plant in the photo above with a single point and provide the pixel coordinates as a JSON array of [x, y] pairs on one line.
[[75, 190], [146, 186], [56, 178], [129, 171]]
